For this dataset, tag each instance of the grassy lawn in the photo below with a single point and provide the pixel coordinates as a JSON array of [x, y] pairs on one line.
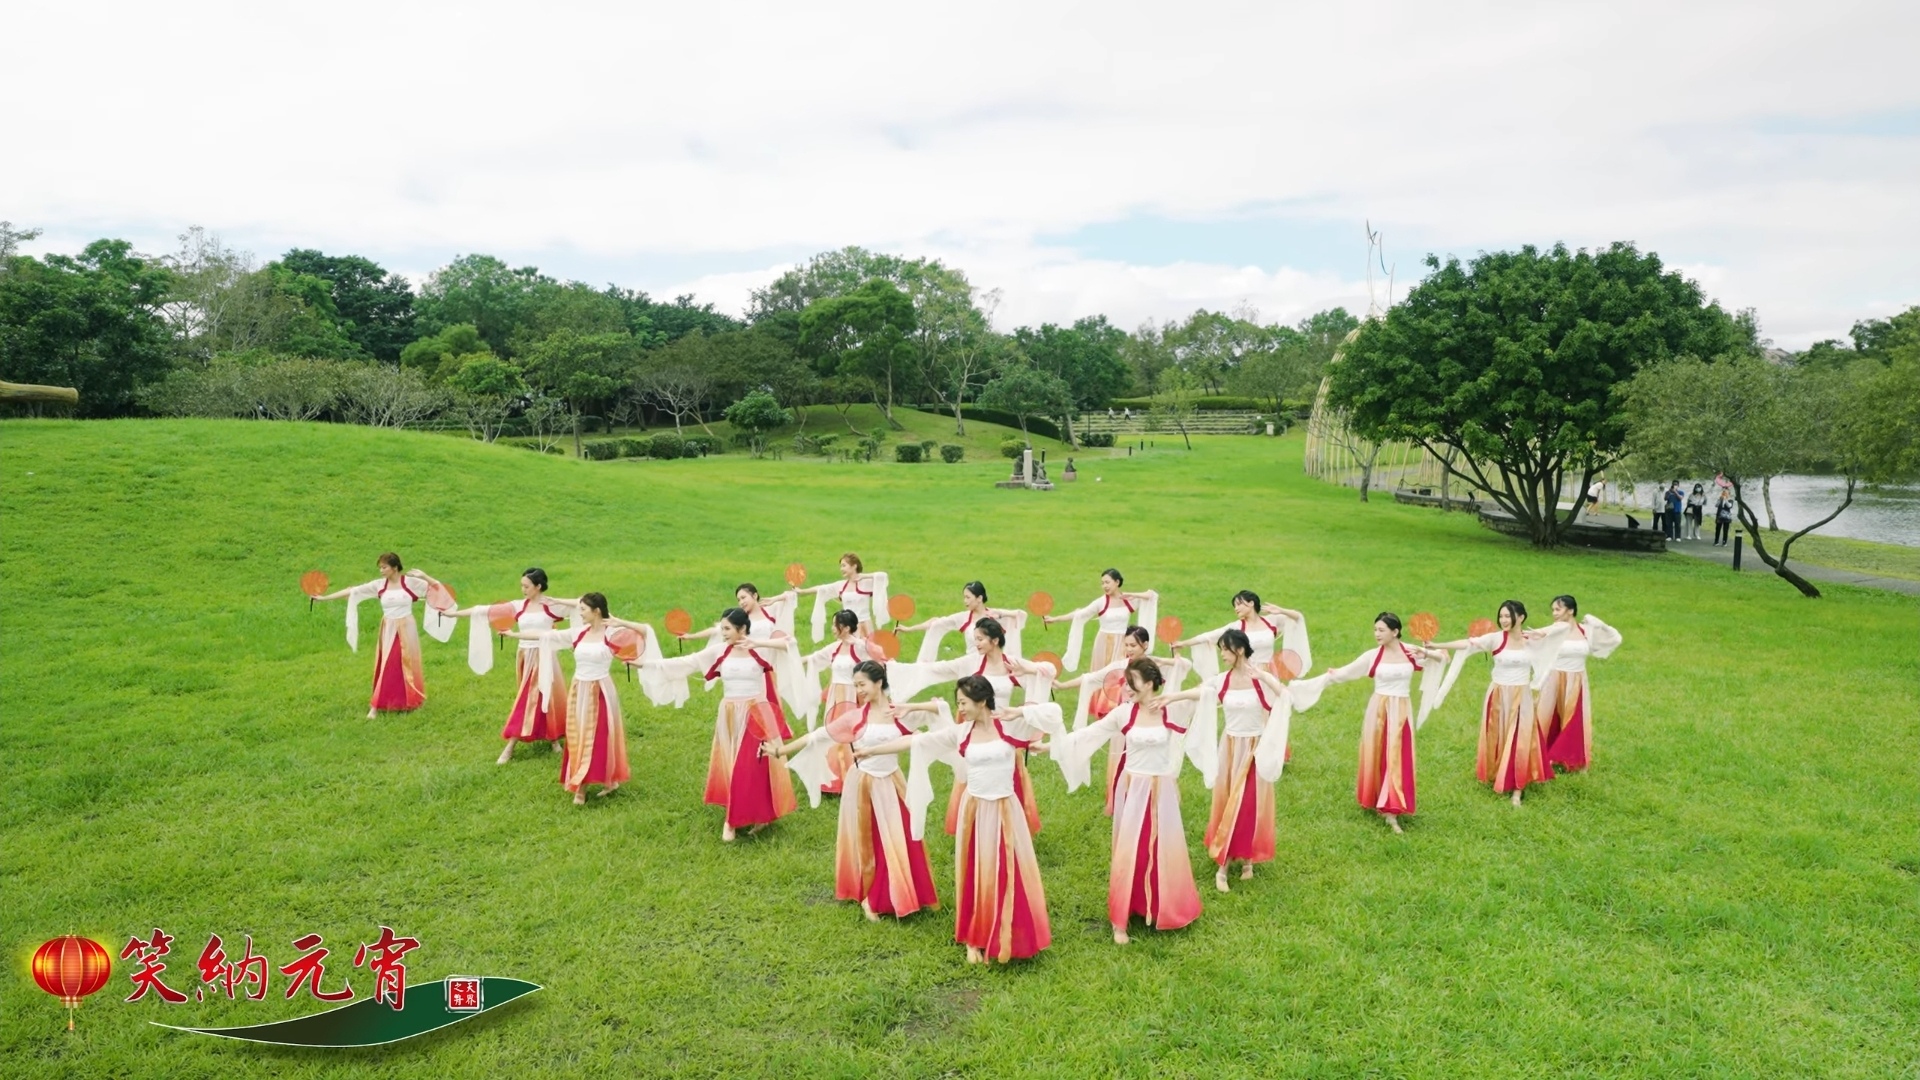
[[1729, 892], [1861, 556]]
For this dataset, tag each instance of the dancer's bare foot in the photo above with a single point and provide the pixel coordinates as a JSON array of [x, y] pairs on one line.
[[872, 915], [1220, 880], [1119, 936], [579, 798], [506, 755], [1246, 872], [606, 791], [1516, 798], [726, 832], [373, 714], [1393, 822], [755, 830], [973, 955]]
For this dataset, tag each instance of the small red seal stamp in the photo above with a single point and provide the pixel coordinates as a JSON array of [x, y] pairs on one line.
[[463, 993]]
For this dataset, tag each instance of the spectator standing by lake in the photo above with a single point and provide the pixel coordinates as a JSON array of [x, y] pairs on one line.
[[1722, 517], [1676, 503], [1696, 509]]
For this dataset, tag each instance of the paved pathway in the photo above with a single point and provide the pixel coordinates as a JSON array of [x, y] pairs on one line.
[[1750, 563]]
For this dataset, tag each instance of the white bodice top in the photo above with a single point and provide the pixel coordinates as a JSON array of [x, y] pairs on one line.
[[1573, 652], [1150, 751], [535, 618], [741, 676], [857, 601], [1245, 716], [1390, 666], [1512, 666], [989, 768], [844, 658], [1114, 614], [1261, 634], [396, 601], [592, 659], [874, 732]]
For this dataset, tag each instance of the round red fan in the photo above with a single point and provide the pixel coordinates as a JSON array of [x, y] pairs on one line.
[[1479, 627], [843, 720], [624, 642], [1050, 658], [313, 583], [440, 597], [502, 618], [1040, 604], [679, 621], [1167, 629], [900, 607], [796, 575], [1423, 626], [1286, 663], [886, 642]]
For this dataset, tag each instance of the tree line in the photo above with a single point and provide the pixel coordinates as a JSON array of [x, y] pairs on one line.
[[207, 330]]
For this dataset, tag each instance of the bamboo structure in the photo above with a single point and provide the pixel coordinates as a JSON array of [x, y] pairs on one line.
[[27, 393]]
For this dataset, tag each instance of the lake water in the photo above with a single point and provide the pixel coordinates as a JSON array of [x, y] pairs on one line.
[[1889, 514]]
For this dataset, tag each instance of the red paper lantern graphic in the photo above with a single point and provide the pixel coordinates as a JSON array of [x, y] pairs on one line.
[[71, 967]]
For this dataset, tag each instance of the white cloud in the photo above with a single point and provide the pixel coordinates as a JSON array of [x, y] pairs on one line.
[[613, 134]]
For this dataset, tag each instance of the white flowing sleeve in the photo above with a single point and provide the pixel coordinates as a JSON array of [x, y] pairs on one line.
[[1148, 617], [479, 642], [904, 681], [1014, 623], [1543, 652], [1203, 734], [680, 668], [1433, 678], [1073, 751], [881, 616], [438, 624], [1601, 638], [551, 642], [938, 743], [819, 624], [810, 764], [1044, 717], [786, 602], [1484, 643], [1040, 685], [1293, 638], [1356, 668], [1205, 652], [354, 596], [1206, 711], [1270, 753], [1306, 692], [937, 631], [1076, 634], [798, 691], [660, 687]]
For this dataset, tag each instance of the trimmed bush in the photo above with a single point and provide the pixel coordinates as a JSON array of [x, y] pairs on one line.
[[1011, 446], [632, 447], [927, 449], [1096, 439], [604, 450], [667, 447], [702, 445], [951, 453], [908, 454]]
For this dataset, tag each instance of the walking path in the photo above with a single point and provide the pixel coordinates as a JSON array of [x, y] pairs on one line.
[[1750, 563]]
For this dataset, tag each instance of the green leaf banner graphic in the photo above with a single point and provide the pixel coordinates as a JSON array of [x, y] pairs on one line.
[[370, 1022]]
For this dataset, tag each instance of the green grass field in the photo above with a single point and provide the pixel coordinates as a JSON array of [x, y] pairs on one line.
[[1729, 892]]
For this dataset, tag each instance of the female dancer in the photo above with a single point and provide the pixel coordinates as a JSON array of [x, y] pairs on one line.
[[752, 785], [1258, 708], [1265, 628], [877, 859], [837, 662], [766, 618], [1151, 875], [596, 748], [398, 682], [1103, 688], [1002, 670], [862, 593], [531, 719], [1113, 610], [1511, 754], [973, 600], [1001, 913], [1565, 705], [1386, 733]]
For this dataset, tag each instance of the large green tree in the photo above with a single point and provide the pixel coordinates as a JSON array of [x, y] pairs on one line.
[[1085, 357], [91, 322], [374, 307], [483, 292], [867, 334], [1506, 368], [583, 370], [1027, 392]]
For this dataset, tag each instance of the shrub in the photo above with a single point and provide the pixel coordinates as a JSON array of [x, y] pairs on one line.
[[951, 453], [702, 445], [1011, 446], [667, 447], [870, 445], [808, 444], [631, 447], [927, 449], [1035, 425], [908, 453], [603, 450], [1096, 439]]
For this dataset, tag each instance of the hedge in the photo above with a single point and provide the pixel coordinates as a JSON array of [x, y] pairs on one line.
[[1096, 439], [951, 453], [907, 453], [1035, 425], [604, 450], [1011, 446]]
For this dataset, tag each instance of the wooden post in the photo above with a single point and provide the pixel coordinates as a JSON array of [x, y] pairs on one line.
[[27, 392]]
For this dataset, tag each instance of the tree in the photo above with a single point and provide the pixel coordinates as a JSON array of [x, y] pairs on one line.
[[438, 357], [1026, 391], [671, 321], [865, 334], [679, 380], [825, 276], [382, 396], [755, 415], [1147, 353], [481, 291], [582, 370], [1085, 357], [1744, 418], [484, 388], [1513, 361], [953, 336], [1174, 401], [374, 307], [91, 322]]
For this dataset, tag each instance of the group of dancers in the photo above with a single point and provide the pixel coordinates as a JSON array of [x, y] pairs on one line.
[[839, 717]]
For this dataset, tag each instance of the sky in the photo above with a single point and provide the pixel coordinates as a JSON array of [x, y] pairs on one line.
[[1113, 158]]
